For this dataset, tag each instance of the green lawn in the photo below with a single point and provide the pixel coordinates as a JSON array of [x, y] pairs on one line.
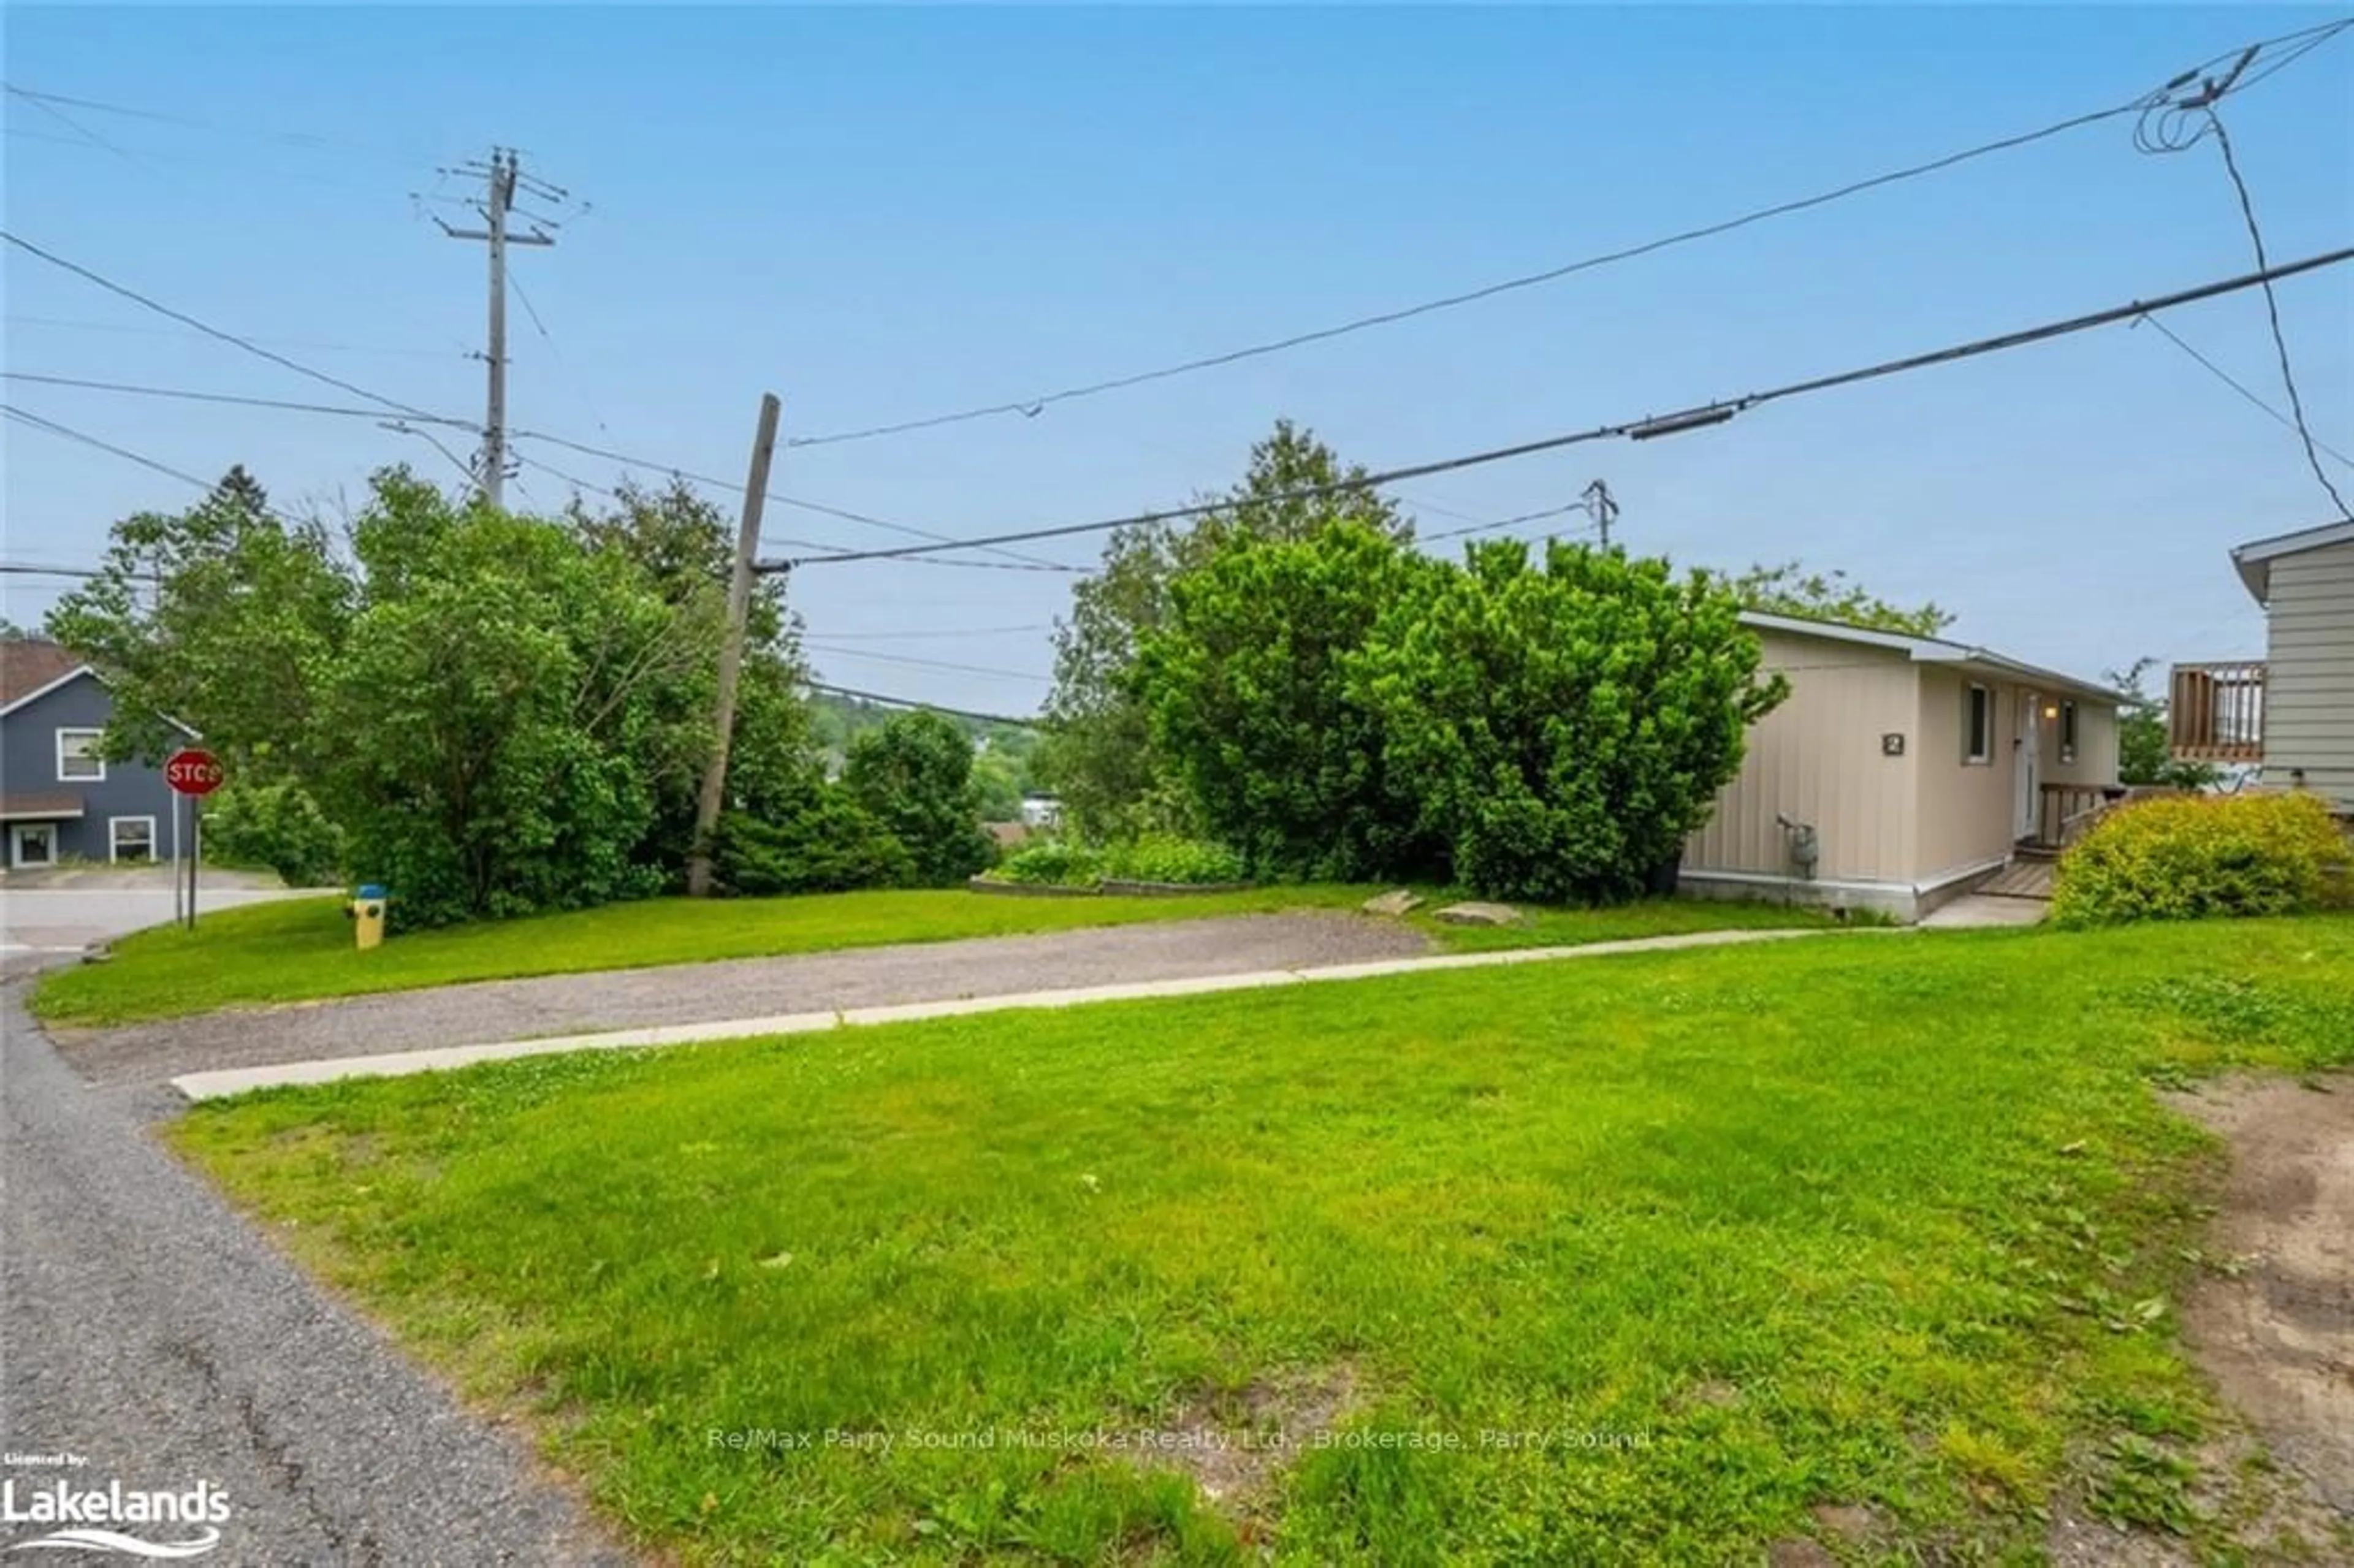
[[300, 950], [1722, 1235]]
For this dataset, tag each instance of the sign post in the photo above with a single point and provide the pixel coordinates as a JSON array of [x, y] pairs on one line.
[[194, 773]]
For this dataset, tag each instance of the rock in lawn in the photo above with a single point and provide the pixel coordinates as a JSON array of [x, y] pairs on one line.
[[1396, 903], [1479, 915]]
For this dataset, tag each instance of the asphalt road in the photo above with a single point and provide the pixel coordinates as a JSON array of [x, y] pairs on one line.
[[146, 1329], [47, 916], [495, 1010]]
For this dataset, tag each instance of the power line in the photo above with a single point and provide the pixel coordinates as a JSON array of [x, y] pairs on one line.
[[410, 412], [287, 138], [1639, 430], [891, 702], [314, 346], [247, 345], [949, 631], [1510, 522], [983, 670], [818, 507], [69, 433], [2272, 309], [2236, 385], [193, 396], [1030, 408]]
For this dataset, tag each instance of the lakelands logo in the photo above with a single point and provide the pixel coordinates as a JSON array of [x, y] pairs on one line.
[[93, 1517]]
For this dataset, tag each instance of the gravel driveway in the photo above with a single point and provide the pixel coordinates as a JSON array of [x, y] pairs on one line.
[[740, 987], [149, 1333]]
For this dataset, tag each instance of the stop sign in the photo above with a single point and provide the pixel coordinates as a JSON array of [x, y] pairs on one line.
[[193, 772]]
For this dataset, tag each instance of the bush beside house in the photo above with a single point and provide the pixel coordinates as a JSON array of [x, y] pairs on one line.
[[2190, 857]]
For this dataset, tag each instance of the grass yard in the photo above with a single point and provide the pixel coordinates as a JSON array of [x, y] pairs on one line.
[[1634, 1261], [300, 950]]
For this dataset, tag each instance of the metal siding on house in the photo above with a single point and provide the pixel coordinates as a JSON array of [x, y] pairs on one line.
[[1964, 808], [1818, 758], [2309, 674], [28, 765]]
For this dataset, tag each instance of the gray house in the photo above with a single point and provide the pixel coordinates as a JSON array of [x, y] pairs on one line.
[[2291, 714], [59, 797]]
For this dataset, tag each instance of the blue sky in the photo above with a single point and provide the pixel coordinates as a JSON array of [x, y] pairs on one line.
[[882, 213]]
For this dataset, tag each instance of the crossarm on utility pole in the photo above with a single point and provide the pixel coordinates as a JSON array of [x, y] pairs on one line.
[[714, 795]]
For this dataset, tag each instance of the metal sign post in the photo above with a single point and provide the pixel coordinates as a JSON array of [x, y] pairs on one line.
[[195, 774]]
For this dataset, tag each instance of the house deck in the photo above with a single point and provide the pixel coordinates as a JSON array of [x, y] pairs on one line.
[[2027, 876]]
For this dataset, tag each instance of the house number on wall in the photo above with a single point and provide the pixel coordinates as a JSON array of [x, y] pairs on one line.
[[1892, 744]]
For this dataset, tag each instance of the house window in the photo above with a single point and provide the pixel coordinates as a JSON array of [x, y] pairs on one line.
[[78, 761], [2067, 732], [130, 838], [1978, 724]]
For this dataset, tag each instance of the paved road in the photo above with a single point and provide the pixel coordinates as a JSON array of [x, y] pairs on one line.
[[147, 1329], [742, 987], [44, 915]]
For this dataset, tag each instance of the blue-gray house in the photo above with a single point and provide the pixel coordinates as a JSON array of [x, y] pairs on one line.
[[59, 797]]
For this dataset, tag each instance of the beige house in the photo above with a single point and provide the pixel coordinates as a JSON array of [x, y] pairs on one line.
[[1901, 771], [2290, 714]]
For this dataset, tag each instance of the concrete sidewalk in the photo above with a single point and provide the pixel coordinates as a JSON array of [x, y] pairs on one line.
[[236, 1081]]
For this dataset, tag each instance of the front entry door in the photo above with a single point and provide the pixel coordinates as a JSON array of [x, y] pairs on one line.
[[2026, 775], [32, 844]]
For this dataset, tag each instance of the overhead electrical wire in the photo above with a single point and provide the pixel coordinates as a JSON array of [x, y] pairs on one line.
[[2307, 39], [408, 411], [1694, 417], [2271, 313], [2242, 387], [818, 507], [286, 138], [234, 340], [890, 702], [983, 670], [1502, 523], [239, 399]]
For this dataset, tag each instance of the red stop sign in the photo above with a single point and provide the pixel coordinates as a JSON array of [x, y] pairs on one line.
[[193, 772]]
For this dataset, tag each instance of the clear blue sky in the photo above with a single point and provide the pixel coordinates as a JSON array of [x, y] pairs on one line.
[[882, 214]]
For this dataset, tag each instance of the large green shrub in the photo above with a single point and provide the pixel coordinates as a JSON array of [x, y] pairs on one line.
[[2188, 857], [275, 825], [1562, 723], [822, 842], [1051, 862], [1247, 683], [1165, 858], [915, 774]]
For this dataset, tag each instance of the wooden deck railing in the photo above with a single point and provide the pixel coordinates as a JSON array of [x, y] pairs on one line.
[[2065, 811], [2215, 712]]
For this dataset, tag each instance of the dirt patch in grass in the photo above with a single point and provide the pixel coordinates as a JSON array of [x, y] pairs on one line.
[[2273, 1326], [2276, 1332], [1232, 1444]]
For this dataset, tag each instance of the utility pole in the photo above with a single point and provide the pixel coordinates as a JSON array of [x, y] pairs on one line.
[[1602, 507], [731, 651], [500, 178]]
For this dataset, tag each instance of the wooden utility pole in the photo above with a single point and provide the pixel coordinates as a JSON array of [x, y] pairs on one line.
[[731, 651], [500, 176]]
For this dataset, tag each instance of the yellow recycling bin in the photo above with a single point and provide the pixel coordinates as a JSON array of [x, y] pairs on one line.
[[366, 911]]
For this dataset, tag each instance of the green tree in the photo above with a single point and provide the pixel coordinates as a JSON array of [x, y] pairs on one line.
[[1098, 752], [685, 546], [220, 617], [1791, 589], [997, 788], [915, 775], [1563, 726], [2144, 745], [1244, 683], [506, 700], [491, 714]]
